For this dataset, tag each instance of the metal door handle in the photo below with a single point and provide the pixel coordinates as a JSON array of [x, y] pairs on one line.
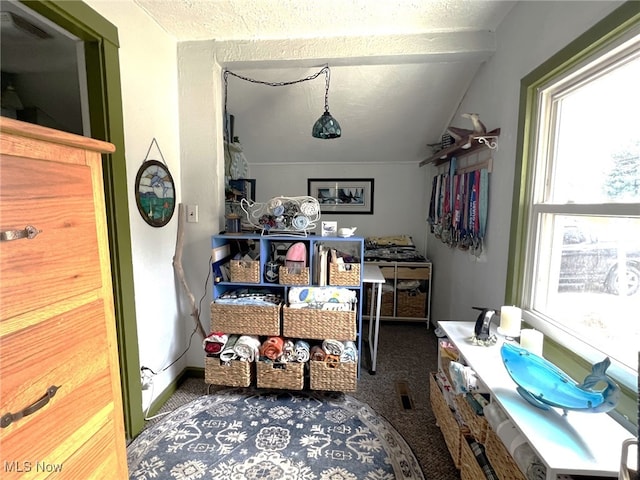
[[28, 232], [8, 418]]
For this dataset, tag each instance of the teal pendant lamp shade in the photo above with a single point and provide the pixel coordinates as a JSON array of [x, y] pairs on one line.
[[326, 127]]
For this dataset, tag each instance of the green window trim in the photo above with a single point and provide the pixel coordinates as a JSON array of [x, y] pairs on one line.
[[596, 38]]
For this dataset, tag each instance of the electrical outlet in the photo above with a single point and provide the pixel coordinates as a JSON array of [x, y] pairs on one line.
[[146, 378], [192, 213]]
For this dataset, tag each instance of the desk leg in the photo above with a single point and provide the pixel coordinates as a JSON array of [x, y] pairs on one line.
[[374, 346], [371, 307]]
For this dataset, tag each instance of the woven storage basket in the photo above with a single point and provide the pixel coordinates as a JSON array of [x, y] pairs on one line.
[[245, 319], [451, 430], [345, 274], [341, 376], [234, 374], [477, 424], [386, 303], [469, 467], [286, 277], [500, 458], [318, 324], [288, 376], [242, 271], [411, 304]]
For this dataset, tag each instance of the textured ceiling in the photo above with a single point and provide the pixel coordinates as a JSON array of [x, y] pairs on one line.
[[224, 20]]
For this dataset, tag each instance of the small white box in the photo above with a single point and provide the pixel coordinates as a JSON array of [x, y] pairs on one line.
[[329, 229]]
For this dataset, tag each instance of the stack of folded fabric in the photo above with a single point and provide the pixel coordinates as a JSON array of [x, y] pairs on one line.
[[245, 296], [334, 351], [281, 350], [323, 298]]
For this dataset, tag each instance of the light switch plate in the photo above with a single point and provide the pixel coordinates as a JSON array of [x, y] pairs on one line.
[[192, 213]]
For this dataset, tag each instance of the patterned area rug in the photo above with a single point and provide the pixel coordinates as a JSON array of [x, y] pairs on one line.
[[250, 434]]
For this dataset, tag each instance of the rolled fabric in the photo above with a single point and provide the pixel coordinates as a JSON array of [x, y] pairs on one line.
[[333, 347], [332, 359], [272, 347], [317, 353], [214, 343], [288, 351], [247, 347], [302, 351], [228, 353], [350, 353]]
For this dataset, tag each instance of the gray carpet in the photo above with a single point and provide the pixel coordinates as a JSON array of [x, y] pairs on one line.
[[399, 391]]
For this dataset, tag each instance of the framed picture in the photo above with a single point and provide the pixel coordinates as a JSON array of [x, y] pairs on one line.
[[342, 195], [155, 193]]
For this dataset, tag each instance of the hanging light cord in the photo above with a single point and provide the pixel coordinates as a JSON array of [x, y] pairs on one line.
[[324, 70]]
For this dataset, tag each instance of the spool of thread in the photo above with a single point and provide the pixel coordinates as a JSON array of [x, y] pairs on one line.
[[532, 340]]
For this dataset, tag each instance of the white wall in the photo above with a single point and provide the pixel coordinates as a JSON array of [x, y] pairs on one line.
[[530, 34], [148, 71], [399, 193]]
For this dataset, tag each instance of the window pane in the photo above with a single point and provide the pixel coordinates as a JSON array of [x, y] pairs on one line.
[[588, 280], [597, 148]]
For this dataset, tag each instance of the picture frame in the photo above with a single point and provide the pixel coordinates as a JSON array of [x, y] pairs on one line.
[[155, 193], [343, 195]]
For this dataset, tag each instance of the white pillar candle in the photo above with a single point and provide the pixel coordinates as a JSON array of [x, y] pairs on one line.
[[532, 340], [510, 320]]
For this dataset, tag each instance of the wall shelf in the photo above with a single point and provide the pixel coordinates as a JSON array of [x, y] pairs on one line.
[[472, 143]]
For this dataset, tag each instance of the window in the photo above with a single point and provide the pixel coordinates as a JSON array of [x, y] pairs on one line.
[[575, 260]]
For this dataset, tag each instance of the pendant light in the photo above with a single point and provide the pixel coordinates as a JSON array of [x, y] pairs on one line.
[[326, 126]]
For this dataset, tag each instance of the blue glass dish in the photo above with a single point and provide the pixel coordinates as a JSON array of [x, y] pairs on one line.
[[544, 385]]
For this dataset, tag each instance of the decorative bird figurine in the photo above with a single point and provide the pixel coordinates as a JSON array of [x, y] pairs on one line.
[[462, 133], [478, 126]]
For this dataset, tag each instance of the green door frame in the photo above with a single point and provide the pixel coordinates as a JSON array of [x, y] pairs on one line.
[[105, 111]]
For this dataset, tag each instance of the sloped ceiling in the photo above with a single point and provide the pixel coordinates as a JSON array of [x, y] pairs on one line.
[[399, 69]]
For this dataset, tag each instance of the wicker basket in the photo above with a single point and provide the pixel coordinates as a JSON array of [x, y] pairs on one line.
[[245, 319], [340, 376], [318, 324], [234, 374], [288, 376], [386, 303], [411, 304], [477, 424], [451, 430], [500, 458], [242, 271], [287, 277], [344, 274], [469, 467]]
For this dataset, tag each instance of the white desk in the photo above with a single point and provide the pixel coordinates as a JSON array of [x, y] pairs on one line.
[[580, 443], [373, 275]]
